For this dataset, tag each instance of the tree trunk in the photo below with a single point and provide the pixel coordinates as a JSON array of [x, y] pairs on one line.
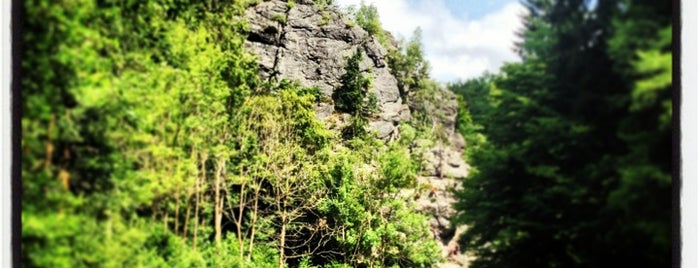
[[254, 220], [177, 210], [166, 218], [186, 217], [218, 201], [239, 221], [282, 240], [441, 160], [49, 142], [200, 178]]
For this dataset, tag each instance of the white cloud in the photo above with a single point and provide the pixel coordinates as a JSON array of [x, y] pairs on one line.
[[457, 48]]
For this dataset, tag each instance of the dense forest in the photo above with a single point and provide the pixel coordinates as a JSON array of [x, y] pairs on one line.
[[149, 139], [571, 148]]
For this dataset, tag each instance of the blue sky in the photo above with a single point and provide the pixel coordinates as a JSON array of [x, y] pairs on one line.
[[462, 38], [474, 9]]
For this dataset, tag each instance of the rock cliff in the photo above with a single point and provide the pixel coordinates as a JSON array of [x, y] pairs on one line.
[[311, 44], [444, 168]]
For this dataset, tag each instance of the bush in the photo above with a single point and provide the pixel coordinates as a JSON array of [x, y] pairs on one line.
[[281, 18]]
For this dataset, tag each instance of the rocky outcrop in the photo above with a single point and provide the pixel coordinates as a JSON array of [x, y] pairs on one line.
[[442, 173], [311, 45], [445, 158]]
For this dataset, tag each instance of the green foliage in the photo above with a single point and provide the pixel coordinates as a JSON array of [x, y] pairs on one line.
[[353, 97], [425, 98], [122, 245], [408, 64], [323, 3], [379, 228], [656, 64], [149, 141], [356, 128], [367, 17], [372, 104], [281, 18], [636, 28], [471, 131], [397, 169], [349, 97], [562, 169], [325, 19], [337, 265]]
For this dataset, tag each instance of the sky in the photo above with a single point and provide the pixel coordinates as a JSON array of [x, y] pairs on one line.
[[462, 38]]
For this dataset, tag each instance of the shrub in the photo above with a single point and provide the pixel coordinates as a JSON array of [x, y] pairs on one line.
[[281, 18]]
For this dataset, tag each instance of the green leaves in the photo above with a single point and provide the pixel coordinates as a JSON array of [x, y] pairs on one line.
[[353, 97], [150, 141], [367, 17], [409, 66], [655, 64], [568, 160], [349, 97], [397, 170]]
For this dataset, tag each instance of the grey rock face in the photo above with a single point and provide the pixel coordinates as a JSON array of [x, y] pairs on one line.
[[443, 171], [444, 159], [312, 46]]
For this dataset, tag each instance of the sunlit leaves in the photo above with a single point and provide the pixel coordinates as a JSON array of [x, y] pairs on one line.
[[656, 66], [141, 117]]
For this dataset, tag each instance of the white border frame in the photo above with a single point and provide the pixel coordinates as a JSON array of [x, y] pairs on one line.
[[5, 135], [689, 159]]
